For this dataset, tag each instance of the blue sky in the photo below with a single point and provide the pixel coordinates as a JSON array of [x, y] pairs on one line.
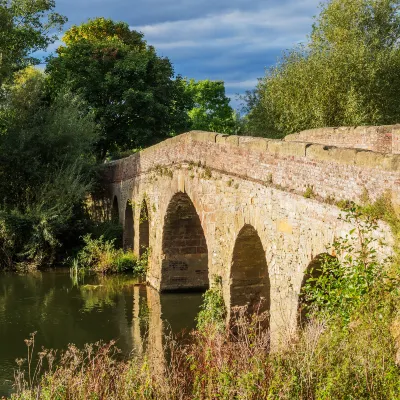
[[229, 40]]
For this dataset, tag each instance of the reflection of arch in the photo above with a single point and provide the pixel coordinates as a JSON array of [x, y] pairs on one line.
[[249, 272], [115, 210], [144, 231], [184, 246], [314, 270], [128, 227]]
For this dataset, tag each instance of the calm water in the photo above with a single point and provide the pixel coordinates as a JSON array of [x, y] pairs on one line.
[[63, 311]]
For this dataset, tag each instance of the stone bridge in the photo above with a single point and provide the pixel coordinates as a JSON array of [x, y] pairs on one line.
[[257, 212]]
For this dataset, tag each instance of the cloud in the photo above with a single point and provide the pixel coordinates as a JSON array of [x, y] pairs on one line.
[[236, 45], [230, 40]]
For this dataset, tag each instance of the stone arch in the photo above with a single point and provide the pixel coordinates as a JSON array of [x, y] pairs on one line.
[[144, 228], [184, 248], [115, 210], [313, 270], [129, 232], [249, 279]]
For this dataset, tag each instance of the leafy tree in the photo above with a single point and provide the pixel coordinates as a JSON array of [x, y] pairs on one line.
[[346, 75], [45, 169], [210, 109], [133, 94], [24, 28]]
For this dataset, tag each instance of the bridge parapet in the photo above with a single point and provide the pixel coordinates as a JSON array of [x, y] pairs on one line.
[[383, 139], [334, 173]]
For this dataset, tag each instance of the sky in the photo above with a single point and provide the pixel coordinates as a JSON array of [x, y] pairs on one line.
[[229, 40]]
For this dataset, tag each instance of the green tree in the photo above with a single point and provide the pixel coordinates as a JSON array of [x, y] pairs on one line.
[[133, 94], [210, 109], [45, 169], [346, 75], [24, 28]]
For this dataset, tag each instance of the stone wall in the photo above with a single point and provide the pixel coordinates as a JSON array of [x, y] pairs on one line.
[[383, 139], [333, 173], [235, 207]]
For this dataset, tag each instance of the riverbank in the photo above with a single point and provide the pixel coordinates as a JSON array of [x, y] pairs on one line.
[[323, 362]]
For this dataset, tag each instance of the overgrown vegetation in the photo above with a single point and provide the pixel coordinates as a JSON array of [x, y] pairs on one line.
[[45, 172], [102, 256], [349, 347], [213, 312]]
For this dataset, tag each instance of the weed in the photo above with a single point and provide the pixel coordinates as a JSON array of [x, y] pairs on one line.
[[309, 192], [207, 174]]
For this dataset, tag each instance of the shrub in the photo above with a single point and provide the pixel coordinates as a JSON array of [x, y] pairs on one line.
[[213, 311], [100, 255], [341, 283]]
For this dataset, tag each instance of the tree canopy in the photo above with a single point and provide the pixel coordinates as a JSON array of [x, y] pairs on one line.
[[131, 89], [209, 106], [346, 75], [25, 27]]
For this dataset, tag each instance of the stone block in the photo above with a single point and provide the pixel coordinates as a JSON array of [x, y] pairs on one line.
[[285, 227], [318, 152], [343, 156], [220, 138], [279, 147], [253, 143], [331, 154], [293, 137], [370, 159], [202, 136], [232, 139]]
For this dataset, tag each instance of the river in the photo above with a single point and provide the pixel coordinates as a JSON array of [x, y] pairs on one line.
[[63, 310]]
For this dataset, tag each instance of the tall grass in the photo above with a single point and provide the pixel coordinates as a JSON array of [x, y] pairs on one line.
[[322, 363]]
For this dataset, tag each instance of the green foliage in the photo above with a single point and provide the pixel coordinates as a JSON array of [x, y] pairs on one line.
[[25, 26], [345, 75], [210, 109], [340, 284], [45, 171], [309, 192], [100, 255], [131, 90], [213, 311]]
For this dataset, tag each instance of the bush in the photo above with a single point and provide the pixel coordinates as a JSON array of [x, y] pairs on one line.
[[340, 284], [213, 311], [100, 255]]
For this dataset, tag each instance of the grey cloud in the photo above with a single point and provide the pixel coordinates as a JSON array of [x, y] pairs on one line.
[[230, 40]]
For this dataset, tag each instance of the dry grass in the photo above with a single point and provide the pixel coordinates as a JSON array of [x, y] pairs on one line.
[[321, 363]]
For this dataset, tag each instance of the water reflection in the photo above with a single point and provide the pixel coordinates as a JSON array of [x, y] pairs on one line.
[[64, 311]]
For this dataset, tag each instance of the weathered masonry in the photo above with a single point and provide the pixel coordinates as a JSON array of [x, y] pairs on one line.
[[209, 204]]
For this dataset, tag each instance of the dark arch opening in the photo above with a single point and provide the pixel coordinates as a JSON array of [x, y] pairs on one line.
[[144, 229], [314, 270], [115, 210], [185, 253], [128, 227], [250, 284]]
